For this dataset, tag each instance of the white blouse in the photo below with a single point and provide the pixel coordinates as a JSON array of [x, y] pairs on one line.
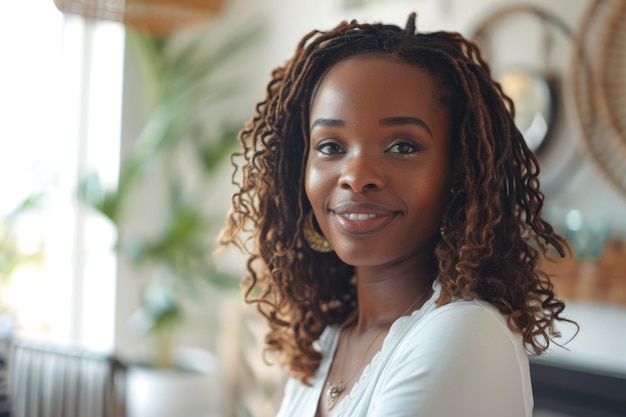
[[460, 359]]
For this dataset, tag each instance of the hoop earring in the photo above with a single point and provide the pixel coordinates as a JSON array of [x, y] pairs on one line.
[[316, 241]]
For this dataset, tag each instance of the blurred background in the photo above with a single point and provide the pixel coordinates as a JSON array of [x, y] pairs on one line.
[[118, 119]]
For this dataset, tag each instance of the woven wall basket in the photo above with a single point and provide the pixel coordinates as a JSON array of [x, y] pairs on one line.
[[599, 87]]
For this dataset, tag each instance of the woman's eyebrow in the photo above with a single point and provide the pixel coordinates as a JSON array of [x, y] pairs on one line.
[[405, 120], [328, 123]]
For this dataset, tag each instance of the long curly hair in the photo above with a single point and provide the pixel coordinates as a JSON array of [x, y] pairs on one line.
[[494, 232]]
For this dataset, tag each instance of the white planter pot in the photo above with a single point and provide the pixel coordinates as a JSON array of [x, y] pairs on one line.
[[192, 391]]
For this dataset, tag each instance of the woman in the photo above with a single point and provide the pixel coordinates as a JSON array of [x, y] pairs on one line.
[[392, 216]]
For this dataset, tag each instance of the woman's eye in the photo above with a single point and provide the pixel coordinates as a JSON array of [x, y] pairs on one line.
[[403, 148], [329, 148]]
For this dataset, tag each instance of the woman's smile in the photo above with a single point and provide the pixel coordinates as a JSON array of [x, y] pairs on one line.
[[360, 224], [355, 219]]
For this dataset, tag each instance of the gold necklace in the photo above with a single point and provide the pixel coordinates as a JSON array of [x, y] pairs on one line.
[[334, 391]]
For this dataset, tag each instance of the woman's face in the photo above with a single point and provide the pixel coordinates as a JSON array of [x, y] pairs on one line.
[[378, 170]]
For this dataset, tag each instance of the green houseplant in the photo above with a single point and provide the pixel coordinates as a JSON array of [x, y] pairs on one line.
[[187, 138], [12, 256]]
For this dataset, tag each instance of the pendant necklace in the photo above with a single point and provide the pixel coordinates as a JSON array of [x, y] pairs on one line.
[[334, 391]]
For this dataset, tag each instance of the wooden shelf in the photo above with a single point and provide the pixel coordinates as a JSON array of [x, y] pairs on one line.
[[598, 280]]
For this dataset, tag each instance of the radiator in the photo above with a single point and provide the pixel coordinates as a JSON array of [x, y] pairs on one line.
[[47, 381]]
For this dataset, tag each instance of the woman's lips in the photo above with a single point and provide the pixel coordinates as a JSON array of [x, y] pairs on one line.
[[361, 219]]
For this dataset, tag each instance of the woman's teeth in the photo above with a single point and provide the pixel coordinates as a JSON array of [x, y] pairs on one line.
[[358, 216]]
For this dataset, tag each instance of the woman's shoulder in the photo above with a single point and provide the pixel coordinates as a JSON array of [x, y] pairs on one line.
[[463, 349], [468, 328], [462, 314]]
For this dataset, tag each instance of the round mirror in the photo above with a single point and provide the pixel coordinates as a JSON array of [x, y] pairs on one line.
[[533, 104]]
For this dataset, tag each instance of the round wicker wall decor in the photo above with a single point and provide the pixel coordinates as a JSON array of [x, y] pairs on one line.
[[598, 75]]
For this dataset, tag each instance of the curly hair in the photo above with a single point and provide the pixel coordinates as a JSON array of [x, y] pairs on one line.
[[495, 235]]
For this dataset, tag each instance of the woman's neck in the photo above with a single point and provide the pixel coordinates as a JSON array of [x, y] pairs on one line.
[[384, 293]]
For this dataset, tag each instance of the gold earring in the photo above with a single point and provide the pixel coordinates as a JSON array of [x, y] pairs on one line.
[[316, 241]]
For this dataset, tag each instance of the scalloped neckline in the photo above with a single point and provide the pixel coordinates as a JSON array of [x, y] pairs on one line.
[[396, 331]]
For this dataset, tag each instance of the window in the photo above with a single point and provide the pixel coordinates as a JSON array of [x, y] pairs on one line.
[[61, 88]]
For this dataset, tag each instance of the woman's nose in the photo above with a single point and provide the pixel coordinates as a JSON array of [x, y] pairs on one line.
[[362, 173]]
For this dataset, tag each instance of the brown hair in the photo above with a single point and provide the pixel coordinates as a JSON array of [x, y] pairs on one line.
[[494, 230]]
